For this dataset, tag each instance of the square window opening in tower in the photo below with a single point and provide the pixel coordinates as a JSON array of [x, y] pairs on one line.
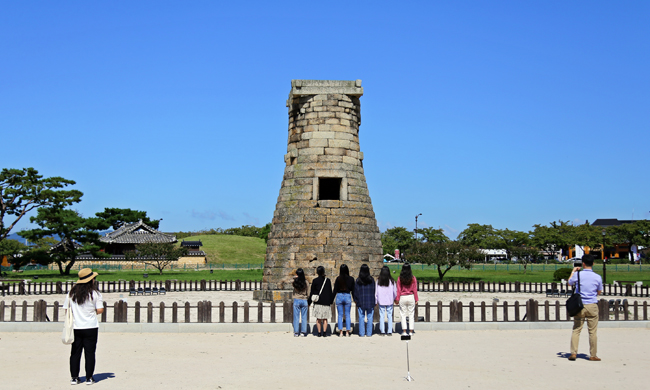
[[329, 188]]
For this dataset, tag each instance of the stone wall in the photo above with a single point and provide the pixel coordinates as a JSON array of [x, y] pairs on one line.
[[324, 214]]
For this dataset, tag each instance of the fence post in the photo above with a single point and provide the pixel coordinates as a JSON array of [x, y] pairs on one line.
[[161, 314], [149, 312], [116, 312], [187, 312], [137, 312], [260, 312], [452, 311], [427, 311], [471, 311], [105, 313], [439, 311], [273, 312], [234, 312], [516, 311], [174, 312], [59, 288], [55, 314], [222, 312], [246, 314], [505, 311]]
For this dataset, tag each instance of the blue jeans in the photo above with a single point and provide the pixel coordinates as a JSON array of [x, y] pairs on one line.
[[343, 305], [384, 312], [300, 309], [365, 329]]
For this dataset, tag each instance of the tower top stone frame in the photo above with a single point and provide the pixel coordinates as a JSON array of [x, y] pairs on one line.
[[324, 215]]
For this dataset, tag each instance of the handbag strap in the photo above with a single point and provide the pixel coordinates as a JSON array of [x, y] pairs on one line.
[[579, 287], [325, 281]]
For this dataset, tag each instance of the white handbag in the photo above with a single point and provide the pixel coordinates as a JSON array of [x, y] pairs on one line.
[[68, 327]]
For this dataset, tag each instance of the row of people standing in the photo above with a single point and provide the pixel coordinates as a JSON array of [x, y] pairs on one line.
[[366, 294]]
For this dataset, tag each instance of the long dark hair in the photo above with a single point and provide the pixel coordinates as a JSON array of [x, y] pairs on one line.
[[342, 280], [406, 276], [299, 282], [81, 292], [385, 278], [364, 275]]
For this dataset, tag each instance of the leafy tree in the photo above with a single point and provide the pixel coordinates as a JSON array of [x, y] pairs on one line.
[[558, 236], [14, 251], [482, 236], [78, 235], [588, 235], [245, 230], [23, 190], [446, 255], [397, 238], [433, 235], [636, 233], [118, 217], [508, 240], [157, 255], [264, 233], [524, 255]]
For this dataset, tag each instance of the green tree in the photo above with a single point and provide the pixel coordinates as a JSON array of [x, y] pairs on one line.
[[558, 236], [23, 190], [446, 255], [157, 255], [508, 240], [525, 255], [636, 233], [397, 238], [430, 234], [481, 236], [264, 233], [14, 250], [588, 235], [77, 235], [118, 217]]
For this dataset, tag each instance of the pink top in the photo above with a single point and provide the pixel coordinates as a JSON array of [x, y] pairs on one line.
[[407, 290]]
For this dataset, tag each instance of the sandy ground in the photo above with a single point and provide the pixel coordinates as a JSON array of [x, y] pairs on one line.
[[522, 359]]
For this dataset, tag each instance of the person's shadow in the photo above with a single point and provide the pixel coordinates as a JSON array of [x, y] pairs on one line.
[[565, 355], [100, 377]]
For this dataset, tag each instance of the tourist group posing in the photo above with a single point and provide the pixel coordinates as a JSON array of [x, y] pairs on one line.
[[366, 294]]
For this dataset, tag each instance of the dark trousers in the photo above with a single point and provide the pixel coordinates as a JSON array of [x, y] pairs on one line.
[[86, 340]]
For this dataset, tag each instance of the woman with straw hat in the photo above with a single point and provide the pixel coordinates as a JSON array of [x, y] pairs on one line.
[[86, 302]]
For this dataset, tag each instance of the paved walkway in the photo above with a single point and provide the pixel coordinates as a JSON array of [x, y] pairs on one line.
[[481, 359]]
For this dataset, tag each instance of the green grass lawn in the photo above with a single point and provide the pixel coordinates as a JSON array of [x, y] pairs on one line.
[[423, 274], [228, 249]]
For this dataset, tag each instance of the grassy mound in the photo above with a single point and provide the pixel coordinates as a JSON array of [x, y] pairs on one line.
[[228, 249]]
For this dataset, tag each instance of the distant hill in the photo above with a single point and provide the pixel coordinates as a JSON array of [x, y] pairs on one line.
[[230, 249]]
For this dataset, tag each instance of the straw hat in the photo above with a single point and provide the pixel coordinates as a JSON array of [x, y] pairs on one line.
[[86, 275]]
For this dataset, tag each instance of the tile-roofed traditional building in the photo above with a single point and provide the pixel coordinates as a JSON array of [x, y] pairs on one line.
[[129, 235], [193, 248], [606, 222]]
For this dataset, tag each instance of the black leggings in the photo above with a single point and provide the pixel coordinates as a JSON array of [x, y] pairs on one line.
[[86, 340]]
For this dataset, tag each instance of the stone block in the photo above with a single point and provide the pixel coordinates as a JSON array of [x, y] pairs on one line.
[[351, 160], [333, 121], [318, 142], [326, 226], [335, 152], [310, 151], [329, 203], [330, 158], [323, 134], [326, 114], [338, 143]]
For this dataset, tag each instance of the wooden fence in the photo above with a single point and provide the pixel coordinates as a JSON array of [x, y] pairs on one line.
[[203, 311], [122, 286]]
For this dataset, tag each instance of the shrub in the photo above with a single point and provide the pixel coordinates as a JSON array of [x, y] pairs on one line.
[[562, 273]]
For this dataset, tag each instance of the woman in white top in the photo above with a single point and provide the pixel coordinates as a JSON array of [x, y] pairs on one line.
[[86, 302]]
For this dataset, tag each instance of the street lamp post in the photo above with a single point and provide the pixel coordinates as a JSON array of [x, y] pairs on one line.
[[604, 260], [416, 230]]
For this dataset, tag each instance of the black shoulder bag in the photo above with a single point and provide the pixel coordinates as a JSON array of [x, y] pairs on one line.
[[574, 304]]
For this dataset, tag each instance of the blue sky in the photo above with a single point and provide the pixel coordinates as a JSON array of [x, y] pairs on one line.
[[502, 113]]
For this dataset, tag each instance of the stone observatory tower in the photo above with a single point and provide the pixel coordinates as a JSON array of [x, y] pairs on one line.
[[323, 215]]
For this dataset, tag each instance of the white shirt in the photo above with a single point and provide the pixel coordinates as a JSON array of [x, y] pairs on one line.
[[85, 316]]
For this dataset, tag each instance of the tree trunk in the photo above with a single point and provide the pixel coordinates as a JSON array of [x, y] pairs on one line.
[[60, 267], [69, 266]]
